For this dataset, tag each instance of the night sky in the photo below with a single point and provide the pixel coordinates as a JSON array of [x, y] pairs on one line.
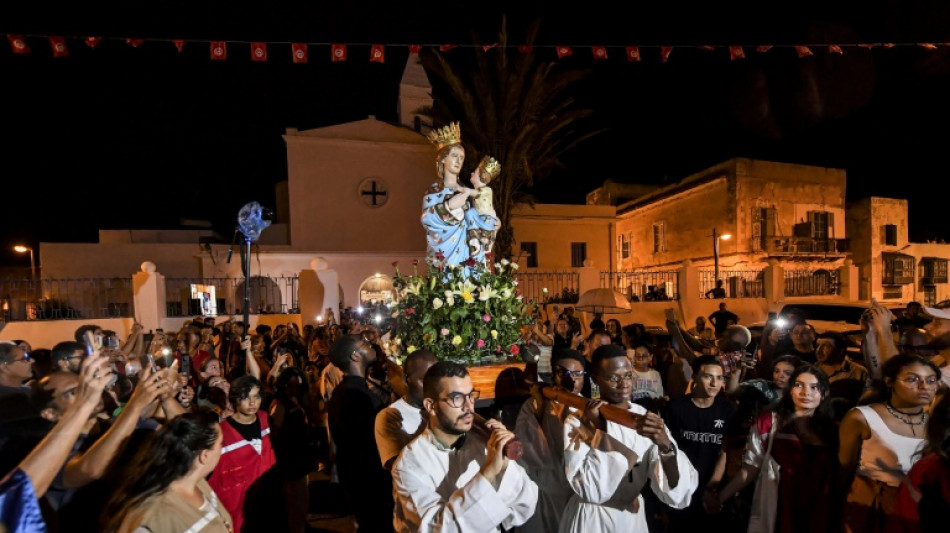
[[202, 137]]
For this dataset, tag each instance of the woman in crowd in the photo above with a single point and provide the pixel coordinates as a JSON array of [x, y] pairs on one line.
[[880, 440], [924, 498], [805, 445], [168, 493], [247, 452], [616, 333], [289, 415]]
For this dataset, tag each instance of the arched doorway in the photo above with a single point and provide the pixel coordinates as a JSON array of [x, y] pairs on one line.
[[265, 296], [376, 291]]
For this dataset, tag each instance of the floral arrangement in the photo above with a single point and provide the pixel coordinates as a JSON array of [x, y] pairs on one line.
[[472, 315]]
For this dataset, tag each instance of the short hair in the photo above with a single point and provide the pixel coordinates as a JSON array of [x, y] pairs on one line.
[[63, 350], [241, 388], [704, 360], [607, 351], [793, 360], [568, 353], [342, 349], [80, 333], [597, 332], [840, 340], [6, 351], [442, 369], [418, 355]]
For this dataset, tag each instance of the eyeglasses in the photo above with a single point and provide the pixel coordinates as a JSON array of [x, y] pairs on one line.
[[914, 381], [26, 357], [615, 380], [457, 399], [570, 373]]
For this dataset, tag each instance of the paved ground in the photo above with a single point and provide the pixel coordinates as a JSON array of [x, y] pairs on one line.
[[326, 506]]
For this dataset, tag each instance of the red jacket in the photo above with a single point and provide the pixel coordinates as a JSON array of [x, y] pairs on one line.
[[239, 467]]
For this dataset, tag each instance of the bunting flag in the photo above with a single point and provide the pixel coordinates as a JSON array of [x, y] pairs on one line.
[[487, 47], [706, 48], [299, 52], [564, 51], [219, 50], [58, 45], [888, 46], [415, 48], [599, 52], [258, 51], [134, 43], [633, 53], [446, 47], [665, 53], [868, 45], [736, 52], [337, 52], [763, 48], [377, 54], [835, 49], [179, 45], [18, 44], [927, 46], [803, 51], [525, 48], [92, 42]]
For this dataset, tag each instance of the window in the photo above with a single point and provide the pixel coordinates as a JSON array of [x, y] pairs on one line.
[[763, 226], [933, 270], [898, 269], [890, 234], [624, 246], [578, 254], [530, 251], [659, 237], [822, 224]]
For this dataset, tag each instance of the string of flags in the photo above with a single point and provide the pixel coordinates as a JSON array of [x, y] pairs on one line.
[[299, 51]]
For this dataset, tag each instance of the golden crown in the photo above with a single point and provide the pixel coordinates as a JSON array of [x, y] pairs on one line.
[[490, 168], [446, 136]]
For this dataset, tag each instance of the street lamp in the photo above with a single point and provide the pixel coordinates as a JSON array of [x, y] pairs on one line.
[[23, 249], [716, 238]]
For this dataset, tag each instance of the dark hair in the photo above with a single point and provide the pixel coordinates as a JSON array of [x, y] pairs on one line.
[[822, 421], [793, 360], [602, 353], [62, 351], [704, 360], [597, 333], [42, 361], [204, 365], [840, 340], [6, 351], [421, 354], [890, 369], [342, 349], [241, 388], [167, 456], [938, 429], [80, 333], [280, 384], [442, 369], [568, 353]]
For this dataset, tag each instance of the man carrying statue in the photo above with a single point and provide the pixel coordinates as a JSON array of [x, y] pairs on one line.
[[458, 229]]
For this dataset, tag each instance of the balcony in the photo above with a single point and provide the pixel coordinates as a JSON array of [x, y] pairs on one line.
[[806, 248]]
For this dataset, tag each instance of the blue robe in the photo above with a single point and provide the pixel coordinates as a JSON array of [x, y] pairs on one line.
[[458, 234]]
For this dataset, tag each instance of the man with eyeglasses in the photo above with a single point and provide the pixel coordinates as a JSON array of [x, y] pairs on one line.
[[607, 464], [449, 479], [540, 429], [68, 355], [16, 368]]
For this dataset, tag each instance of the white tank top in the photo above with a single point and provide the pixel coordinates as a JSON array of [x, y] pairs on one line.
[[886, 456]]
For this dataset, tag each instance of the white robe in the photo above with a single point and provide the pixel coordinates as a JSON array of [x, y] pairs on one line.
[[439, 489], [543, 459], [607, 472]]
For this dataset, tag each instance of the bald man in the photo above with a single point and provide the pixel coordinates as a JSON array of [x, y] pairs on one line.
[[399, 423]]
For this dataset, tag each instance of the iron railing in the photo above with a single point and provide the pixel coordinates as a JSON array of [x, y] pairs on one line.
[[194, 297], [549, 287], [643, 285], [59, 299], [737, 283], [811, 282]]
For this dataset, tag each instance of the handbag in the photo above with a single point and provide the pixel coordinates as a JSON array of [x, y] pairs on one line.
[[765, 497]]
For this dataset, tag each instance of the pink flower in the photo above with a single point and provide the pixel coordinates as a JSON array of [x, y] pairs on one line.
[[410, 311], [395, 263], [480, 343], [497, 349], [487, 318], [515, 350], [415, 262]]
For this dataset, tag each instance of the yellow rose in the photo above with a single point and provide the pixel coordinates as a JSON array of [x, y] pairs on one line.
[[494, 334], [456, 340]]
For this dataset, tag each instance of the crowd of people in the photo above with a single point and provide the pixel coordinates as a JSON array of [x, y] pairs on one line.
[[212, 428]]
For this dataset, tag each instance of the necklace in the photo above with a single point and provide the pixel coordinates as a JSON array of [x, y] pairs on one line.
[[903, 417]]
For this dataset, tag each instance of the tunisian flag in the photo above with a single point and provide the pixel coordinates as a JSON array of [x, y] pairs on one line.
[[377, 53], [219, 50], [58, 45], [736, 52], [258, 51], [600, 52], [633, 53], [18, 44], [337, 52], [299, 51], [665, 53], [564, 51]]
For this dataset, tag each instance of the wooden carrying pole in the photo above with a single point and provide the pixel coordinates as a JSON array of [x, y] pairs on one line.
[[614, 414], [512, 450]]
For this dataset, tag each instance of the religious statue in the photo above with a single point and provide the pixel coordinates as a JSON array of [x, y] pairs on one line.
[[457, 231]]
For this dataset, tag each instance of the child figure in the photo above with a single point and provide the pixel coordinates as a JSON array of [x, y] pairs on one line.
[[482, 241]]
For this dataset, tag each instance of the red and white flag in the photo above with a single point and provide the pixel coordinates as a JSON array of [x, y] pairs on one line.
[[835, 49], [135, 43], [58, 45], [487, 47], [736, 52], [633, 53], [179, 44], [415, 48], [219, 50], [525, 48], [337, 52], [763, 48], [92, 42], [377, 53], [803, 51], [600, 52], [706, 47], [564, 51], [258, 51], [446, 47], [665, 53], [18, 44], [299, 52], [928, 46]]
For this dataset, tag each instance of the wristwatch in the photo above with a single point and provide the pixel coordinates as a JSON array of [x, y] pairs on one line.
[[670, 451]]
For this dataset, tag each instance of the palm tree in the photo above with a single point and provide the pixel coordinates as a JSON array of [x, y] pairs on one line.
[[514, 107]]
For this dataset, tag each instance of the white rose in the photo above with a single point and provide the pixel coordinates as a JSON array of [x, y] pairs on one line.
[[504, 262], [437, 302]]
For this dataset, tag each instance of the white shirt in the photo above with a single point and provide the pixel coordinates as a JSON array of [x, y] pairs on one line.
[[439, 489], [607, 472], [396, 425]]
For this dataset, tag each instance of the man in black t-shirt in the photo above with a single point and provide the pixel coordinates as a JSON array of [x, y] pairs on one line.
[[698, 422], [722, 319]]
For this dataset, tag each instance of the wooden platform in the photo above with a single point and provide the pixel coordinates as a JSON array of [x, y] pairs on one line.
[[485, 377]]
